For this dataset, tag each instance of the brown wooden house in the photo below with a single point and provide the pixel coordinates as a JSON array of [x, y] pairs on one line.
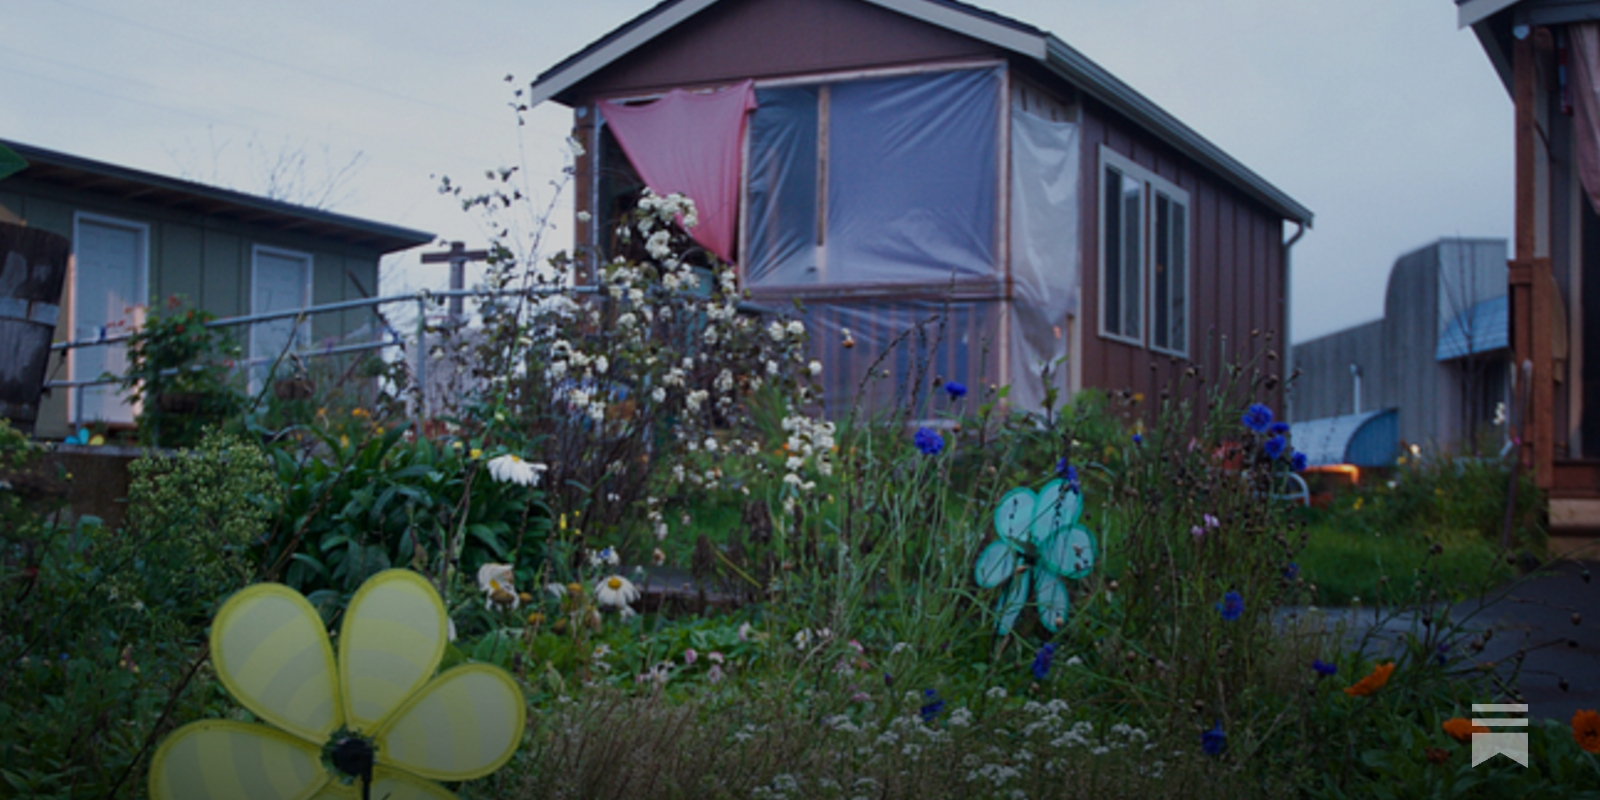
[[889, 162], [1547, 54]]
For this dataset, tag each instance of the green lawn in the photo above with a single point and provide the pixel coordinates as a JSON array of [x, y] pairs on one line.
[[1348, 564]]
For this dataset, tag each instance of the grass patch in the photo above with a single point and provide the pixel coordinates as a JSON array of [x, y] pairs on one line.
[[1347, 564]]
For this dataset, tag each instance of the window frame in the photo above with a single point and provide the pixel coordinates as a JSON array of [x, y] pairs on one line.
[[75, 411], [825, 81], [302, 333], [1151, 186]]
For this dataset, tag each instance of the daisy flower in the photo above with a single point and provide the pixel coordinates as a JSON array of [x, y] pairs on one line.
[[510, 468], [496, 583], [616, 592]]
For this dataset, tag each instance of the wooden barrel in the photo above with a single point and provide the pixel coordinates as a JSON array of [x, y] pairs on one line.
[[33, 269]]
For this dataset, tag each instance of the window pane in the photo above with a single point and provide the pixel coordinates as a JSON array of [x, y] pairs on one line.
[[1160, 275], [783, 188], [1132, 256], [1179, 271], [1111, 234], [108, 281], [281, 283]]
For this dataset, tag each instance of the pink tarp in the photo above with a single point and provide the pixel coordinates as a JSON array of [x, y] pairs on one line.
[[690, 143]]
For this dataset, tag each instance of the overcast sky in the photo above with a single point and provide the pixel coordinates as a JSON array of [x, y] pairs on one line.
[[1379, 115]]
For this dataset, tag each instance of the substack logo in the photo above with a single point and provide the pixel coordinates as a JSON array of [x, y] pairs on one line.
[[1511, 744]]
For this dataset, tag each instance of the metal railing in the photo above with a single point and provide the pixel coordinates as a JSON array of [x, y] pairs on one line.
[[421, 298]]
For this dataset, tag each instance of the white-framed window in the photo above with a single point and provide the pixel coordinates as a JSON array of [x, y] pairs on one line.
[[110, 286], [1144, 257], [280, 280]]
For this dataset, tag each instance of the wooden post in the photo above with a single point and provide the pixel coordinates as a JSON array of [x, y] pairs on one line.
[[1530, 284]]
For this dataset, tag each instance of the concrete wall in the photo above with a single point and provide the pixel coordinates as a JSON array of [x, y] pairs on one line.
[[1325, 387]]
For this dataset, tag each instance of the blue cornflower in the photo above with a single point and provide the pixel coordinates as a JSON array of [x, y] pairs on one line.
[[955, 389], [1257, 417], [1444, 654], [1137, 439], [928, 441], [1214, 741], [1232, 606], [1041, 661], [1297, 462], [1323, 668], [1274, 446], [933, 707], [1277, 428], [888, 680], [1291, 572], [1068, 473]]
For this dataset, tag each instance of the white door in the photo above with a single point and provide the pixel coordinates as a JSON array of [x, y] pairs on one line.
[[108, 295], [281, 281]]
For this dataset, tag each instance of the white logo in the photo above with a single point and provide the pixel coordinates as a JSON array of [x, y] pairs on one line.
[[1512, 745]]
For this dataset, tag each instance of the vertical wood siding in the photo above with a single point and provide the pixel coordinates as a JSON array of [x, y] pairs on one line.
[[1236, 272]]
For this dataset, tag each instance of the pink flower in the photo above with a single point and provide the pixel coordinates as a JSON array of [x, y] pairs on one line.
[[690, 656], [714, 674], [1197, 531], [860, 697], [1211, 522], [857, 646], [715, 657]]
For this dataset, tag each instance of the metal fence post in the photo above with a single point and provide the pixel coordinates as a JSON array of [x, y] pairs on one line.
[[422, 356]]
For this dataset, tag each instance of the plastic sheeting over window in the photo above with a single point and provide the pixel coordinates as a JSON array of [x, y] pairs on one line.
[[1044, 256], [911, 177], [690, 143]]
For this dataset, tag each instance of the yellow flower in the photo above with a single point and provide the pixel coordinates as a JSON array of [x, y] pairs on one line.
[[380, 701], [344, 441], [475, 453]]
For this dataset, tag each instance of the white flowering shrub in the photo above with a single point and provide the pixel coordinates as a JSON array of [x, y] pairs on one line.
[[634, 380]]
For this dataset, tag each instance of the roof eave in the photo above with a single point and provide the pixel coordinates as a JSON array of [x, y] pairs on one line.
[[352, 230], [1095, 81]]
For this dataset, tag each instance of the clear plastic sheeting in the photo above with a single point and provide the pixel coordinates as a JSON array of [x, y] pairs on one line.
[[911, 175], [913, 179], [1044, 256], [883, 356], [782, 185]]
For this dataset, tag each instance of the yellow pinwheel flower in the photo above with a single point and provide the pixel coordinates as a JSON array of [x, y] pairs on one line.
[[380, 705]]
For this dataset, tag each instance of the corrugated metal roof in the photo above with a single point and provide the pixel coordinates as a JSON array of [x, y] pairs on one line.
[[997, 29], [49, 166], [1371, 439], [1483, 328]]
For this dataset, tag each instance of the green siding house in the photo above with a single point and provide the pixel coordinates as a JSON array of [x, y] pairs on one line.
[[138, 238]]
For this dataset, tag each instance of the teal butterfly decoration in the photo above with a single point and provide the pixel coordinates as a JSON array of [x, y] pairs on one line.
[[1040, 543], [81, 437]]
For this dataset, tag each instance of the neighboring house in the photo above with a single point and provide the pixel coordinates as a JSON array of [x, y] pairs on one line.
[[1547, 55], [1434, 371], [891, 161], [139, 238]]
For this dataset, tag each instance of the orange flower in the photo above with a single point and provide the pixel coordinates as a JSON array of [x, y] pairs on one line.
[[1436, 755], [1373, 682], [1586, 729], [1460, 729]]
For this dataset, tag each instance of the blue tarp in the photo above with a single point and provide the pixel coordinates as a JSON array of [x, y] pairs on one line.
[[1480, 329]]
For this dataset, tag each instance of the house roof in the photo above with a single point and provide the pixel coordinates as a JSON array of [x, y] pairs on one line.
[[62, 169], [996, 29]]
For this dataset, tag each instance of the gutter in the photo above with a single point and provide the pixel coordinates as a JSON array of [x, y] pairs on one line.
[[1288, 305]]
